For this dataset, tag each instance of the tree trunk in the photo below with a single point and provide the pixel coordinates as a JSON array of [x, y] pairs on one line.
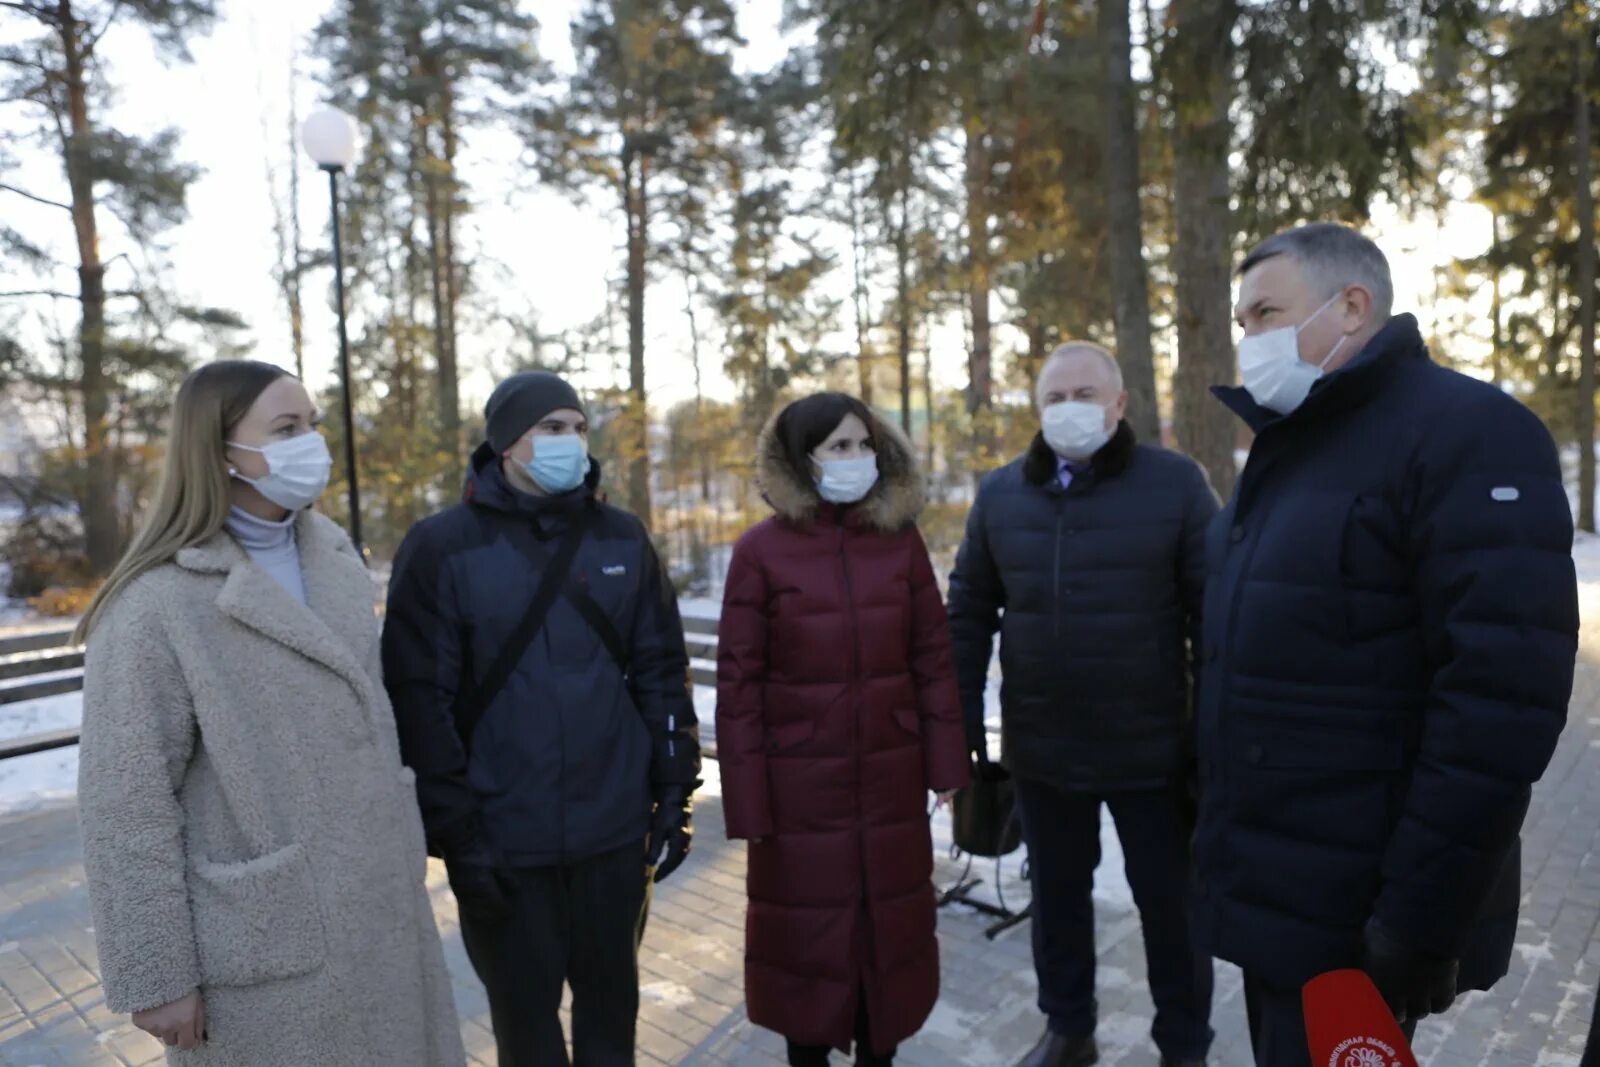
[[702, 443], [980, 365], [1497, 337], [862, 297], [443, 360], [927, 397], [1199, 60], [766, 395], [98, 504], [450, 383], [1036, 346], [902, 255], [1583, 146], [1130, 285], [635, 171]]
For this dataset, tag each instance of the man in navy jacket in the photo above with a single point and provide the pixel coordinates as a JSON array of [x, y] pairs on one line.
[[551, 795], [1390, 627], [1086, 555]]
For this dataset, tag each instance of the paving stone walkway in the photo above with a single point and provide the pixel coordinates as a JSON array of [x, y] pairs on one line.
[[52, 1012]]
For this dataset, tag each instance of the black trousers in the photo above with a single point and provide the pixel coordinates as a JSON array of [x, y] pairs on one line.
[[817, 1055], [576, 925], [1062, 829], [1278, 1025]]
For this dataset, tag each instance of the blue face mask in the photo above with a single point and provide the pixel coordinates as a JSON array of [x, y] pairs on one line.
[[559, 462]]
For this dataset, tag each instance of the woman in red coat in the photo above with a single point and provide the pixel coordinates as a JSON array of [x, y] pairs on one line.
[[837, 712]]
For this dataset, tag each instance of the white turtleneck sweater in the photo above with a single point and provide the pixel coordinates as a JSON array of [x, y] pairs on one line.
[[272, 546]]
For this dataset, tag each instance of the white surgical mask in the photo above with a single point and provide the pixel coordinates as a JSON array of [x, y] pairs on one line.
[[1271, 368], [845, 481], [1074, 429], [297, 470]]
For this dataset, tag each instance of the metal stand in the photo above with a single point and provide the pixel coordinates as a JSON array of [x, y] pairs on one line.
[[960, 893]]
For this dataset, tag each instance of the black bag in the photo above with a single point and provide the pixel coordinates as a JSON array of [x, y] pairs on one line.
[[984, 817]]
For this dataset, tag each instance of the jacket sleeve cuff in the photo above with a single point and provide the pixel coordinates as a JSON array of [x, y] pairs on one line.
[[746, 807], [152, 986], [945, 756], [677, 759]]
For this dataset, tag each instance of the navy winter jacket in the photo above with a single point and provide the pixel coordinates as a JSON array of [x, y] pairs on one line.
[[1390, 629], [1095, 590], [565, 758]]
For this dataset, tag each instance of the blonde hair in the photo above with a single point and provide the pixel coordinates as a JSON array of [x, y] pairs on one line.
[[194, 496]]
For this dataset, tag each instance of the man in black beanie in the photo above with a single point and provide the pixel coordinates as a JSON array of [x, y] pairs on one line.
[[535, 659]]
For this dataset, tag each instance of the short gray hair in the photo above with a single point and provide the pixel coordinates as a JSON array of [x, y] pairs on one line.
[[1069, 348], [1333, 256]]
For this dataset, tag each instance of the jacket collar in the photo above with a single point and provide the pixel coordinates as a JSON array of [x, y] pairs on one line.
[[1041, 467], [488, 487], [332, 629], [1350, 386]]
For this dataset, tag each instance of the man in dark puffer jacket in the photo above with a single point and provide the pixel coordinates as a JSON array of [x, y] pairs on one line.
[[1091, 546], [578, 772], [1390, 629]]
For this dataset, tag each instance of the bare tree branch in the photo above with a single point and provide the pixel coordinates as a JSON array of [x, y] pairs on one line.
[[111, 17], [30, 196], [115, 294], [43, 14]]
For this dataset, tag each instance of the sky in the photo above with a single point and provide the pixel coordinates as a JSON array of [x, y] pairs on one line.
[[232, 105]]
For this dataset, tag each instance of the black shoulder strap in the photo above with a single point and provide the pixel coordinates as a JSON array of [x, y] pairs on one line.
[[551, 582], [577, 594]]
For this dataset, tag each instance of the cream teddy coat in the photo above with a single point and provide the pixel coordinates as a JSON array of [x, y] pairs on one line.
[[248, 827]]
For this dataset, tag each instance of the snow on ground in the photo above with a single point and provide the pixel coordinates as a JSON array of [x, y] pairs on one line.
[[1586, 558], [28, 782]]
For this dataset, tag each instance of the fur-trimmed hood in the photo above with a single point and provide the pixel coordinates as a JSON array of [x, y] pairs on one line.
[[892, 504]]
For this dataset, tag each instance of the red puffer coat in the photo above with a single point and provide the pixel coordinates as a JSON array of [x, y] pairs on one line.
[[837, 712]]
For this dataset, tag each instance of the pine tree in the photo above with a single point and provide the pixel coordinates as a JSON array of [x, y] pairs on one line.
[[138, 182], [1125, 221], [653, 79], [1198, 62]]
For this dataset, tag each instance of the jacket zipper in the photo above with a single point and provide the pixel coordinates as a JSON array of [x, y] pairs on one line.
[[1231, 619], [1061, 517], [855, 703], [861, 939]]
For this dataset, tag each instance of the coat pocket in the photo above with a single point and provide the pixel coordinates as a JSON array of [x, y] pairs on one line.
[[411, 819], [785, 736], [909, 721], [258, 920]]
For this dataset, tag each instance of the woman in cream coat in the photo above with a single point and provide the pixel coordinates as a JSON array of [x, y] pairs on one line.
[[253, 845]]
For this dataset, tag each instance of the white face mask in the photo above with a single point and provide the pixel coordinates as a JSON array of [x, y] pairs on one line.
[[846, 481], [297, 470], [1074, 429], [1271, 369]]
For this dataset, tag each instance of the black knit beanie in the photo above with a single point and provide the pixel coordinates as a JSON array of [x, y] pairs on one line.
[[521, 401]]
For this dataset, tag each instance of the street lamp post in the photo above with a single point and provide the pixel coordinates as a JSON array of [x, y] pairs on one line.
[[330, 140]]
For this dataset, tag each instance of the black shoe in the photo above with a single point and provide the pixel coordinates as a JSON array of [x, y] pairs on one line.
[[1165, 1062], [1053, 1050]]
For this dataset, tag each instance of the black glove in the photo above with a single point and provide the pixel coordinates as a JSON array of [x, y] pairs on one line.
[[1414, 984], [482, 892], [671, 829]]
